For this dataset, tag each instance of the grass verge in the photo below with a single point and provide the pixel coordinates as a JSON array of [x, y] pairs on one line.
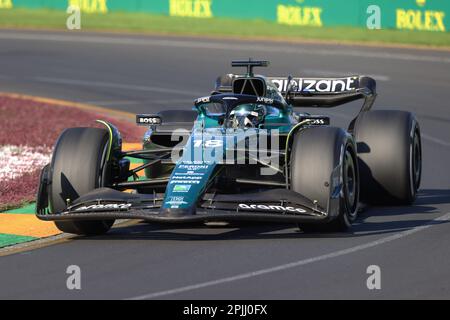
[[219, 27], [26, 142]]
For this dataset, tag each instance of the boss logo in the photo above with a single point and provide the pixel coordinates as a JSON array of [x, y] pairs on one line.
[[315, 120], [319, 121], [142, 119]]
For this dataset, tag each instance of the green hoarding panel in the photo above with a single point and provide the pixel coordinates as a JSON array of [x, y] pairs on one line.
[[432, 15]]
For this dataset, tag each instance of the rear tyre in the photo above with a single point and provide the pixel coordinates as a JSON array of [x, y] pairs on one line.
[[78, 166], [389, 156], [316, 152]]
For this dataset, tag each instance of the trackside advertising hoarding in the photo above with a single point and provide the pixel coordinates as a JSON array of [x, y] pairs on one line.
[[421, 15]]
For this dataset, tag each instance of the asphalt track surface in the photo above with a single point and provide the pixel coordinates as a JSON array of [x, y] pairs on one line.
[[147, 74]]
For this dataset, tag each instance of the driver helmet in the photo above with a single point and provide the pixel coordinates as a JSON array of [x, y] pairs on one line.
[[246, 116]]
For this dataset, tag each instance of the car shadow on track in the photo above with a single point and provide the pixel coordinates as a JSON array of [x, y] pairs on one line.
[[373, 221]]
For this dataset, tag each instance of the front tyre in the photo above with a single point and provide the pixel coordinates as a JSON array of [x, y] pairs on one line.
[[78, 166], [316, 152]]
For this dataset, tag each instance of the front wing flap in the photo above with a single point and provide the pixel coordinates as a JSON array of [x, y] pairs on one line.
[[105, 203]]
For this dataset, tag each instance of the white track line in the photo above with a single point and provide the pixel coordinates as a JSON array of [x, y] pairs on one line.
[[173, 91], [76, 82], [295, 264], [423, 135], [435, 140], [132, 102], [241, 46], [179, 92]]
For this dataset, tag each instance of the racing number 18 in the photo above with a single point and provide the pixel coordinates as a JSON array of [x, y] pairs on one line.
[[208, 143]]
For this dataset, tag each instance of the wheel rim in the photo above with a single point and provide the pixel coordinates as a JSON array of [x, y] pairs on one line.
[[350, 182], [417, 161], [101, 173]]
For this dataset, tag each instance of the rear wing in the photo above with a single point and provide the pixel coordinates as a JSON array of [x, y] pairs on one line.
[[326, 92]]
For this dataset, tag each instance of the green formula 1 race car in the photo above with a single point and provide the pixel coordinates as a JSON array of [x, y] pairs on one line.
[[244, 153]]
